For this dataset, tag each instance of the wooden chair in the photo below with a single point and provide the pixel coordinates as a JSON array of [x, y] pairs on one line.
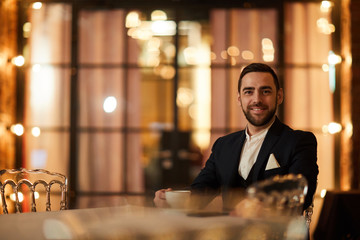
[[18, 180]]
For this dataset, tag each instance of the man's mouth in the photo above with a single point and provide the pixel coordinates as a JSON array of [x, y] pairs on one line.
[[257, 109]]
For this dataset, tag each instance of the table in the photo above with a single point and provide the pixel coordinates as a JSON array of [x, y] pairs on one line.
[[339, 216], [134, 222]]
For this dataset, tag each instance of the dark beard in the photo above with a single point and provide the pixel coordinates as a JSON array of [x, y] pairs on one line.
[[257, 123]]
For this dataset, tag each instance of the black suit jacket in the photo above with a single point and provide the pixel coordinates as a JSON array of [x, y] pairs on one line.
[[295, 151]]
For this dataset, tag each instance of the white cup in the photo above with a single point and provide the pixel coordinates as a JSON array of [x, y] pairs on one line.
[[177, 198]]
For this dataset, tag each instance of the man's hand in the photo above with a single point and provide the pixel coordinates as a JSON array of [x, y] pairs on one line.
[[160, 199]]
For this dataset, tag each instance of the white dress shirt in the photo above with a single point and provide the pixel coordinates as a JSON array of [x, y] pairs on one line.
[[250, 151]]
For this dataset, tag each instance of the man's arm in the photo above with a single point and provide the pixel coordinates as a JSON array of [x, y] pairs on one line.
[[304, 161], [207, 185]]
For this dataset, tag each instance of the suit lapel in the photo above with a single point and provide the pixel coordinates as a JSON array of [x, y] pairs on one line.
[[270, 139], [235, 158]]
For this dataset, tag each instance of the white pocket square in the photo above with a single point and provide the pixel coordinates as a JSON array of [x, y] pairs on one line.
[[272, 163]]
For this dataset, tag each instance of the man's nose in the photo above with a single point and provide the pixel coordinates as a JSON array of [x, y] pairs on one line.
[[257, 97]]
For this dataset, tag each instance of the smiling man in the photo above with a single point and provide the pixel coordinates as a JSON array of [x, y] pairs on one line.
[[242, 158]]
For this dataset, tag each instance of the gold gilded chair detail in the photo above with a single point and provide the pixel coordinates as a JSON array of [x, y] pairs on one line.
[[18, 179], [280, 195]]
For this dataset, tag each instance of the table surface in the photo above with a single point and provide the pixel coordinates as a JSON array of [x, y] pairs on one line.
[[135, 222]]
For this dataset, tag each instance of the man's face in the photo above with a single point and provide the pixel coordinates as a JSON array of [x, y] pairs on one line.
[[258, 98]]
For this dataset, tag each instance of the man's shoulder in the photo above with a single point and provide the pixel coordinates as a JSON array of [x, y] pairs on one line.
[[289, 132], [282, 127], [230, 137], [233, 135]]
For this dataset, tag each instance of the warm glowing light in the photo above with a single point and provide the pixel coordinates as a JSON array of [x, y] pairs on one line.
[[26, 29], [167, 72], [36, 195], [158, 15], [3, 59], [268, 50], [132, 20], [325, 67], [151, 59], [348, 59], [349, 129], [13, 197], [224, 54], [267, 43], [213, 56], [184, 97], [325, 6], [247, 55], [268, 58], [190, 55], [324, 26], [17, 129], [110, 104], [163, 28], [35, 131], [143, 34], [334, 59], [323, 193], [154, 44], [201, 107], [132, 32], [36, 68], [170, 50], [233, 51], [332, 128], [18, 61], [37, 5]]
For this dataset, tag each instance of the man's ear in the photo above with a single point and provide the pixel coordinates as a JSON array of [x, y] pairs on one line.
[[280, 96], [239, 99]]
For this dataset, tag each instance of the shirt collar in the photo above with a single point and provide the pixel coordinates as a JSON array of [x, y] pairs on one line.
[[259, 135]]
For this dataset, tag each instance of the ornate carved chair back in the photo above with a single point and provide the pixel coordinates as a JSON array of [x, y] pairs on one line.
[[13, 182]]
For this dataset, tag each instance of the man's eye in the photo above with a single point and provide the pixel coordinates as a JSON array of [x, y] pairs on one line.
[[266, 92], [247, 92]]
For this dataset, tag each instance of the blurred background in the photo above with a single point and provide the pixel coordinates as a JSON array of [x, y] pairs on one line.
[[127, 97]]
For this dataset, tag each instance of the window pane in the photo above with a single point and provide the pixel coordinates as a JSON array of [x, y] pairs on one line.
[[101, 97], [156, 99], [308, 96], [135, 163], [48, 97], [237, 118], [219, 91], [101, 162], [50, 34], [310, 104], [253, 32], [48, 151], [307, 41], [101, 36]]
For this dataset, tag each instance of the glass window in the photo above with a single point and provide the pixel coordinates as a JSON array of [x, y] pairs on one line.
[[155, 91], [47, 92]]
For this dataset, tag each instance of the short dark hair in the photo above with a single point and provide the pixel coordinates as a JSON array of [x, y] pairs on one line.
[[259, 67]]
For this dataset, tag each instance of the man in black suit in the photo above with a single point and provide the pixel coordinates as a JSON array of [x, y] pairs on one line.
[[265, 148]]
